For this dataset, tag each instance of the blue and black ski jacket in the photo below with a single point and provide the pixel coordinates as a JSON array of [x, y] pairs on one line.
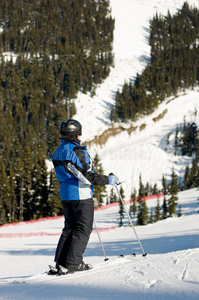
[[74, 170]]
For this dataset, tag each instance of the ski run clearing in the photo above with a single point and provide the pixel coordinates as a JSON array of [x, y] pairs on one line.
[[171, 268], [169, 271]]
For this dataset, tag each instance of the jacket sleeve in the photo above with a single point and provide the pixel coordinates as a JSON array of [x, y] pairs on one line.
[[86, 168]]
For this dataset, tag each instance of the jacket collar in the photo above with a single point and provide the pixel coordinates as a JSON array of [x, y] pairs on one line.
[[77, 143]]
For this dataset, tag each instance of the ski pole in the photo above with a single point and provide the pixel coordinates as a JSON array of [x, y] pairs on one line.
[[106, 258], [144, 254]]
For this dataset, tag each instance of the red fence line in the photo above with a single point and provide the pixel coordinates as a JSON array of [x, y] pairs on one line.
[[128, 201], [33, 234], [59, 217], [31, 221]]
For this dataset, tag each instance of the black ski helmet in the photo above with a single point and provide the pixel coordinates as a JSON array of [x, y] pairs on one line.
[[69, 128]]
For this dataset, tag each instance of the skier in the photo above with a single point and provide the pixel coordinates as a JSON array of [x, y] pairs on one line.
[[74, 170]]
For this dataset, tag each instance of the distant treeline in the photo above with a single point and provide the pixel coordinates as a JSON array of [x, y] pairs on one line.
[[55, 48], [174, 65]]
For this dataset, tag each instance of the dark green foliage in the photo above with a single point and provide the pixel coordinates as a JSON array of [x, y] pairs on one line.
[[142, 215], [186, 143], [164, 209], [4, 194], [191, 177], [190, 146], [164, 185], [173, 200], [41, 197], [54, 199], [186, 178], [58, 48], [133, 207], [99, 192], [179, 211], [174, 65], [112, 197], [157, 211], [176, 140], [189, 140], [75, 35], [151, 217]]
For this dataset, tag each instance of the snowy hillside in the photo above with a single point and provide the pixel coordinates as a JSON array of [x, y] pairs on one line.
[[143, 152], [169, 271], [132, 52], [129, 45]]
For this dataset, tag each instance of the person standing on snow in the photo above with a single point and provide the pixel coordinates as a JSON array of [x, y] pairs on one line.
[[74, 171]]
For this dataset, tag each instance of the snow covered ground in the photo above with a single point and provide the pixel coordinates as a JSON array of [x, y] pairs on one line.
[[170, 270], [132, 52]]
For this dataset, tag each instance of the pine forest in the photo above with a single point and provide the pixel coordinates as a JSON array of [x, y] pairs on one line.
[[56, 49], [174, 65]]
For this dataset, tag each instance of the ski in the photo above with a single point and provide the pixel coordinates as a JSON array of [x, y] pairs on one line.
[[113, 263], [57, 271], [52, 270]]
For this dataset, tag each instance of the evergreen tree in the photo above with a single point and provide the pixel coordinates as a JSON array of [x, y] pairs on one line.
[[54, 60], [142, 215], [172, 201], [42, 194], [54, 197], [4, 194], [19, 189], [148, 189], [164, 185], [193, 175], [99, 192], [176, 141], [186, 178], [13, 204], [157, 211], [151, 217], [196, 145], [133, 207], [179, 211], [173, 66], [164, 209], [26, 177], [112, 197], [155, 189]]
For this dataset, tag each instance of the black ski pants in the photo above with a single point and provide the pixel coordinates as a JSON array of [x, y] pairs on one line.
[[76, 232]]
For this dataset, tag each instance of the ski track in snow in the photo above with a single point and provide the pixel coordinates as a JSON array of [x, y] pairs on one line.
[[150, 276], [169, 271]]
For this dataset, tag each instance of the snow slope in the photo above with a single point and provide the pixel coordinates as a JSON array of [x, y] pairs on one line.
[[169, 271], [132, 52], [143, 152]]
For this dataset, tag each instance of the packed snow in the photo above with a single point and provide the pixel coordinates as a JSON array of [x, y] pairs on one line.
[[169, 271], [171, 268]]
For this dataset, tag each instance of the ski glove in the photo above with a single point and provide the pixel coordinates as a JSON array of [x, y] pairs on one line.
[[113, 180]]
